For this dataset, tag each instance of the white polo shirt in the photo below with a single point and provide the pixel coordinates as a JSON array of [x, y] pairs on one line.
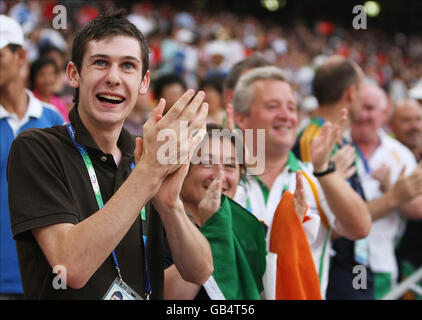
[[250, 195], [386, 231], [35, 110]]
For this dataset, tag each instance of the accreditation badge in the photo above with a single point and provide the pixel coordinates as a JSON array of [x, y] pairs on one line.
[[362, 251], [119, 290]]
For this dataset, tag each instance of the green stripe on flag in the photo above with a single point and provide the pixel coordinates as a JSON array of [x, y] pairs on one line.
[[237, 241]]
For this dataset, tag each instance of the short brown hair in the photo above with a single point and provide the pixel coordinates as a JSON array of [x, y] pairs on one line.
[[237, 69], [111, 23], [332, 79]]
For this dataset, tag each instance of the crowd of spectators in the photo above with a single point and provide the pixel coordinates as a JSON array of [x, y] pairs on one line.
[[198, 45], [198, 49]]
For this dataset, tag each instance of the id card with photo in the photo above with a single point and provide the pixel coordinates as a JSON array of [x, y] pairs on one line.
[[121, 291]]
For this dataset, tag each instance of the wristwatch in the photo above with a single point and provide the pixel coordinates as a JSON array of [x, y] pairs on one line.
[[331, 168]]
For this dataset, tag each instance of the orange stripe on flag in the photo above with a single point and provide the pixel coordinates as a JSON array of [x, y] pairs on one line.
[[296, 277]]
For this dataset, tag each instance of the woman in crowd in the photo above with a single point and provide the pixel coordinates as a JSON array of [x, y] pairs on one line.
[[43, 78], [236, 237], [213, 88]]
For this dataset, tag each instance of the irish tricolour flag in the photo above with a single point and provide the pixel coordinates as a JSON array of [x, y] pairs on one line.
[[238, 245], [290, 273]]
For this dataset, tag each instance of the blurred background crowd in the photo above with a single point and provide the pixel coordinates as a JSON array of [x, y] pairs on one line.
[[195, 44], [199, 41]]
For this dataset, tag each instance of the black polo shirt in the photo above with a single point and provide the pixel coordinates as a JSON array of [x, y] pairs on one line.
[[49, 184]]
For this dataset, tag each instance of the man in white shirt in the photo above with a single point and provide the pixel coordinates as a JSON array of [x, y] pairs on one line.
[[263, 99], [389, 172], [406, 124]]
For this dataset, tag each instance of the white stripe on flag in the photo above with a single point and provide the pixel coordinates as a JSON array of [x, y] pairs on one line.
[[213, 290], [270, 276]]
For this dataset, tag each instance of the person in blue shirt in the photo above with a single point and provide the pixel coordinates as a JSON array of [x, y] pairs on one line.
[[19, 110]]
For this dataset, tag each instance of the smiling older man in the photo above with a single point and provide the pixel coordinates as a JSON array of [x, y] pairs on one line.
[[406, 124], [263, 99], [391, 179]]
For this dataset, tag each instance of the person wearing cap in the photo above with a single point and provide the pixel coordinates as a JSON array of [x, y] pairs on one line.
[[19, 110], [217, 52]]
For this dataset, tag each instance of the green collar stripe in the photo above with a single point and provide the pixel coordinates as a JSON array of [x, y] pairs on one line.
[[292, 164], [264, 189], [318, 121]]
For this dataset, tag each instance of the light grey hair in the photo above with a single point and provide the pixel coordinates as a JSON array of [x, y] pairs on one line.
[[244, 92]]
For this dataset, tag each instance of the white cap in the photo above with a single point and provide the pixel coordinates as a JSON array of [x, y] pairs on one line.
[[53, 37], [10, 32], [185, 36], [217, 47]]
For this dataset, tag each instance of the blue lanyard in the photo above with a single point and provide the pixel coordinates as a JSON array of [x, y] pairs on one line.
[[97, 192], [365, 162]]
